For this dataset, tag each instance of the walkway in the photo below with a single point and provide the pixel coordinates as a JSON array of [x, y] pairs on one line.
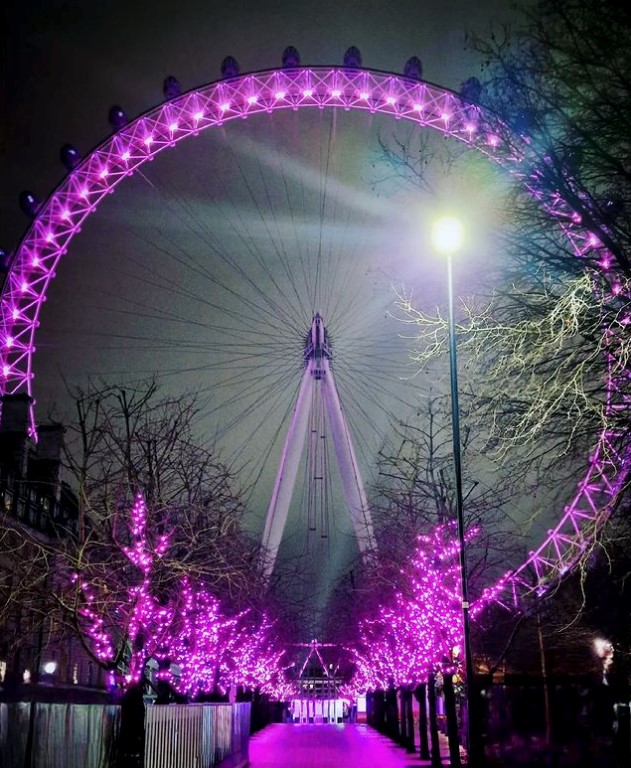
[[327, 746]]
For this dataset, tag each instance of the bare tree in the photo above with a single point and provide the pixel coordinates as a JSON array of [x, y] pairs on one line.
[[27, 608], [127, 441], [415, 493], [561, 78], [546, 329]]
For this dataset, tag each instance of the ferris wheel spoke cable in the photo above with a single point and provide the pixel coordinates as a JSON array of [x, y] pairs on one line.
[[303, 273], [296, 315], [238, 366], [343, 304], [193, 222], [379, 376], [323, 189], [156, 313], [333, 274], [302, 312], [172, 288], [310, 285], [372, 380], [239, 351], [253, 389], [362, 423]]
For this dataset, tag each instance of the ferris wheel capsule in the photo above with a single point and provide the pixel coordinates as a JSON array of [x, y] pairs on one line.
[[171, 88], [229, 67], [69, 157], [413, 68], [291, 57], [353, 58], [29, 203], [5, 259], [117, 117]]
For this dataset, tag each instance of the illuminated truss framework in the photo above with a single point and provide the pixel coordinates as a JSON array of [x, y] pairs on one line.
[[418, 102]]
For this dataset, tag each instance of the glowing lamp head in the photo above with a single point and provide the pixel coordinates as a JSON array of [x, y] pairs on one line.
[[50, 667], [447, 235]]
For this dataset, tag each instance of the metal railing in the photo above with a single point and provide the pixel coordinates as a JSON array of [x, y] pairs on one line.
[[45, 735]]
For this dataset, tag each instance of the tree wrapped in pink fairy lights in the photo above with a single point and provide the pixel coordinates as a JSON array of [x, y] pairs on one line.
[[198, 647], [210, 652], [415, 632], [127, 626], [255, 659], [193, 653]]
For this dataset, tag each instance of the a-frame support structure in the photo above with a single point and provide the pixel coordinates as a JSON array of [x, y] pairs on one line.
[[318, 373]]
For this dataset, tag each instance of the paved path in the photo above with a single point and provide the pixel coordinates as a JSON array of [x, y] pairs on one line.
[[327, 746]]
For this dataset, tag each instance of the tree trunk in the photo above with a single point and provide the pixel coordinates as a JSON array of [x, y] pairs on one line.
[[421, 696], [370, 709], [392, 714], [410, 721], [380, 711], [452, 720], [403, 738], [433, 720]]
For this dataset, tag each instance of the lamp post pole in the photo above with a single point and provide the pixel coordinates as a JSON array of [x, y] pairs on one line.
[[448, 236], [455, 433]]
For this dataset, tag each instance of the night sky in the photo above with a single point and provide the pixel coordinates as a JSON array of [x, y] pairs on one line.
[[154, 282], [65, 63]]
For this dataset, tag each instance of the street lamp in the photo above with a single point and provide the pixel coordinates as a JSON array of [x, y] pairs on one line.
[[447, 238]]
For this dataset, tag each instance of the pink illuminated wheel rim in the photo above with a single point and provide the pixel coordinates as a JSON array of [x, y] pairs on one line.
[[417, 102]]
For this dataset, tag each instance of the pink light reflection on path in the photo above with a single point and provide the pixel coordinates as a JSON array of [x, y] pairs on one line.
[[328, 746]]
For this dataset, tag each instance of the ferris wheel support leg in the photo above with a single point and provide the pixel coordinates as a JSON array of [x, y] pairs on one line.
[[352, 484], [286, 476]]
